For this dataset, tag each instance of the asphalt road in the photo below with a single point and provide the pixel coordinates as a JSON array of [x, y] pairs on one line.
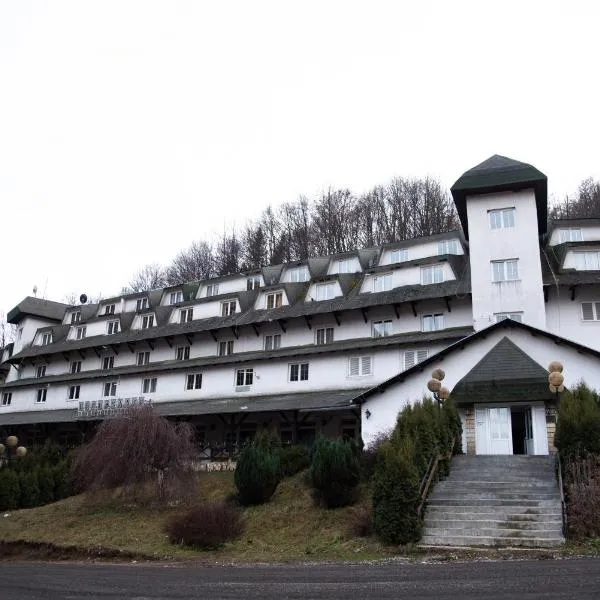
[[548, 579]]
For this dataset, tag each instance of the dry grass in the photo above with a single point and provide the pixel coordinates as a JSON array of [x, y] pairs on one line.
[[289, 528]]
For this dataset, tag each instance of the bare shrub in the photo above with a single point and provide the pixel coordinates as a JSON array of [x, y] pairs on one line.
[[361, 521], [369, 454], [582, 482], [207, 526], [146, 455]]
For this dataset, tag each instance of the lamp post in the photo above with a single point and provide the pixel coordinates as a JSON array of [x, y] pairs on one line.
[[12, 449], [434, 385], [556, 379]]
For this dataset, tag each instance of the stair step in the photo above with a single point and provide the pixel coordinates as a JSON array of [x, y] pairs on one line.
[[521, 524], [495, 495], [497, 532], [465, 540], [459, 501], [498, 511]]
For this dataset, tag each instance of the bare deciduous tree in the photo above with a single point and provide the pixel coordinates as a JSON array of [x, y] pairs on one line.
[[150, 277], [586, 204], [7, 332], [197, 262]]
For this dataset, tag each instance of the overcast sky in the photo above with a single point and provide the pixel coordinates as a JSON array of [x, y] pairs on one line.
[[129, 129]]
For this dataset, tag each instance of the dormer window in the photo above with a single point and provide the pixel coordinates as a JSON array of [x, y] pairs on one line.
[[325, 291], [141, 304], [253, 283], [186, 315], [175, 297], [183, 353], [228, 308], [147, 321], [40, 371], [448, 247], [399, 255], [588, 261], [382, 283], [46, 338], [433, 274], [113, 327], [502, 218], [298, 274], [80, 332], [212, 289], [75, 317], [274, 300], [572, 234], [346, 266], [109, 309]]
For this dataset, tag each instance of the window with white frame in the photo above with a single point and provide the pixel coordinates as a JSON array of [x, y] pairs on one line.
[[74, 392], [183, 353], [505, 270], [113, 327], [413, 357], [80, 332], [515, 316], [323, 336], [193, 381], [228, 308], [225, 348], [109, 389], [570, 234], [298, 274], [433, 322], [382, 283], [325, 291], [147, 321], [6, 398], [432, 274], [360, 366], [46, 338], [75, 367], [141, 304], [346, 265], [108, 362], [447, 247], [149, 385], [109, 309], [186, 315], [588, 261], [298, 372], [253, 283], [212, 289], [75, 317], [274, 300], [590, 311], [244, 377], [175, 297], [40, 371], [381, 328], [143, 358], [273, 342], [502, 218], [399, 255], [41, 394]]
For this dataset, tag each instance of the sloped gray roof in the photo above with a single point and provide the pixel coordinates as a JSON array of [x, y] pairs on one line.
[[37, 307]]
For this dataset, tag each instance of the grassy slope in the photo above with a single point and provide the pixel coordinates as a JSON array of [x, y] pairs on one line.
[[289, 528]]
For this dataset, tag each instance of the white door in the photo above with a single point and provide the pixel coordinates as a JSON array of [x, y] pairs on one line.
[[529, 447], [500, 433]]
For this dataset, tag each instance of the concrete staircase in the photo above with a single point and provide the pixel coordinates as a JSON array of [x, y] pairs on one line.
[[502, 501]]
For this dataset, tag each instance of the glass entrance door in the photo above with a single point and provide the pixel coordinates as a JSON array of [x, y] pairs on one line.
[[499, 428]]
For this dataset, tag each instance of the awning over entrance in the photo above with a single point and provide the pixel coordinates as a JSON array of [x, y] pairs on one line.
[[505, 374]]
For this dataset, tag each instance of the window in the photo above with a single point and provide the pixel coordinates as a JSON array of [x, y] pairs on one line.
[[382, 328], [346, 266], [502, 218], [109, 309], [253, 283], [516, 316], [413, 357], [299, 372], [149, 385], [298, 275], [75, 317], [225, 348], [273, 342], [244, 377], [274, 300], [193, 381], [186, 315], [176, 297], [143, 358], [360, 366], [324, 336], [432, 322], [46, 338], [382, 283], [432, 274], [399, 255], [41, 395], [505, 270], [183, 353], [6, 398], [448, 247], [590, 311], [212, 289], [75, 367], [113, 327], [588, 261], [228, 308], [572, 234], [325, 291], [147, 321], [80, 332], [109, 389], [108, 362], [74, 392], [40, 371], [141, 304]]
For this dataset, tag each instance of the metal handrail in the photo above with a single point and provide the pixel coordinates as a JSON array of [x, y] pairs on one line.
[[562, 496], [431, 472]]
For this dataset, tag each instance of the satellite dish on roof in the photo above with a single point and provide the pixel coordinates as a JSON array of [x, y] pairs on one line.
[[83, 299]]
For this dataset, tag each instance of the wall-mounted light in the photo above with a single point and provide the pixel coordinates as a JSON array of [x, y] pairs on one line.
[[367, 413]]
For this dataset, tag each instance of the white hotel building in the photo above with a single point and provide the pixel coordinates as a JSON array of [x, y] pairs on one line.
[[336, 344]]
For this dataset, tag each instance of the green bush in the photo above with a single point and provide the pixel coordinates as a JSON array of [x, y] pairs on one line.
[[578, 423], [335, 471], [30, 490], [258, 470], [294, 459], [60, 475], [396, 493], [45, 477], [10, 490]]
